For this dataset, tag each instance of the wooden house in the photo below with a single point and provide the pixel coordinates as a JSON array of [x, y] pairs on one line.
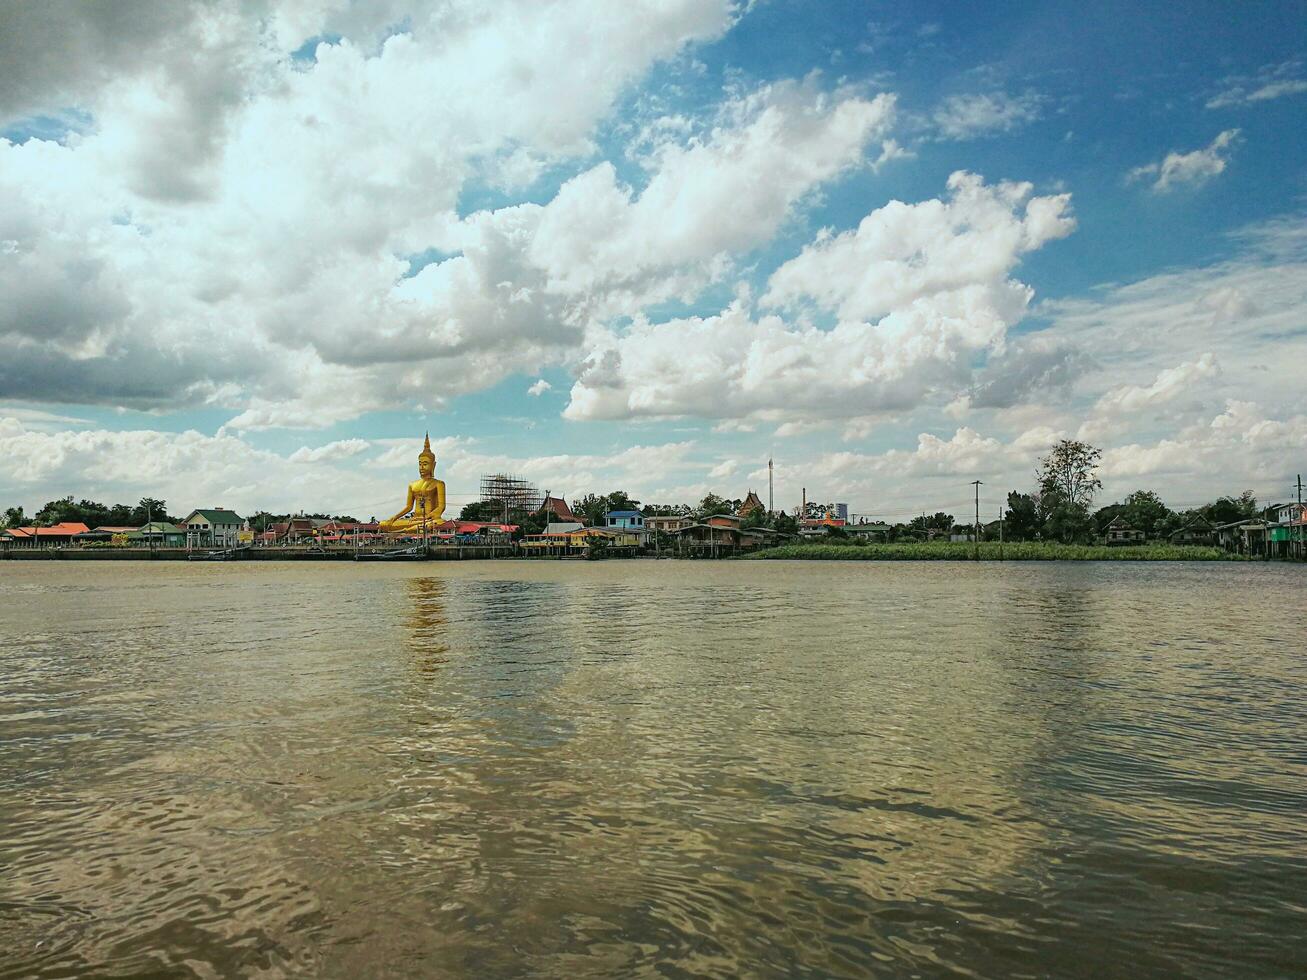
[[1122, 532]]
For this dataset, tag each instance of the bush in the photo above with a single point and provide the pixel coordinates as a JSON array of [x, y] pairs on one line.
[[990, 551]]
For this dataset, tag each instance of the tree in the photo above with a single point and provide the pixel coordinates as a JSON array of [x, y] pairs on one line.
[[1069, 471], [618, 500], [713, 504], [1021, 522], [939, 521], [14, 517], [1227, 510], [149, 509], [88, 512], [1144, 510], [591, 508], [531, 524], [664, 510], [1068, 480], [784, 524], [489, 511]]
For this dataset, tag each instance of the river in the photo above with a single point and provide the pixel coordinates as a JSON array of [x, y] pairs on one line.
[[572, 769]]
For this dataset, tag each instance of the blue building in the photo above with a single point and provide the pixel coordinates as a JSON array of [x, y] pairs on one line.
[[626, 520]]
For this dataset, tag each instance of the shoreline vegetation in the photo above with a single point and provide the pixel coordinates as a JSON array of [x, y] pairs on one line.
[[989, 551]]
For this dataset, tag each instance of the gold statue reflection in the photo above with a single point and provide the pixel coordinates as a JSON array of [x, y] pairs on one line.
[[428, 623]]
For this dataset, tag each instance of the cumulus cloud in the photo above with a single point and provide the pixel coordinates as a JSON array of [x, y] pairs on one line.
[[324, 322], [971, 115], [1193, 168], [903, 254], [59, 52], [1144, 335], [232, 225], [1272, 82], [340, 449], [1034, 365], [539, 388], [1169, 385], [706, 199], [918, 290], [1241, 446]]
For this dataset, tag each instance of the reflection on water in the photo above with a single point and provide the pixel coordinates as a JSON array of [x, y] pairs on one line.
[[689, 769]]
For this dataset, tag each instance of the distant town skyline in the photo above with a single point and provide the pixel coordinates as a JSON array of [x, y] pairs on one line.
[[251, 253]]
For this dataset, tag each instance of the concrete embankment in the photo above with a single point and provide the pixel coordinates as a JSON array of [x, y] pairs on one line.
[[434, 553]]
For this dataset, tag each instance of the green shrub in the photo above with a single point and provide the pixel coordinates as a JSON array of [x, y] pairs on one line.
[[990, 551]]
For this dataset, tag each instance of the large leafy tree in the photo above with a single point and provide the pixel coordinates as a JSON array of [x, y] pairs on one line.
[[1227, 510], [1021, 522], [1144, 509], [713, 504], [482, 510], [150, 508], [1068, 481], [939, 521], [15, 517]]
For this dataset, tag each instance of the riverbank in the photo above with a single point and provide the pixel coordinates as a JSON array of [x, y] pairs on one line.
[[905, 551], [989, 551], [466, 552]]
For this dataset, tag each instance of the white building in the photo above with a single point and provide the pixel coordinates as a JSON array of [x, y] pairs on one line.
[[213, 527]]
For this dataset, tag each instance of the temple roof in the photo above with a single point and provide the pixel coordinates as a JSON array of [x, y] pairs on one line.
[[558, 507]]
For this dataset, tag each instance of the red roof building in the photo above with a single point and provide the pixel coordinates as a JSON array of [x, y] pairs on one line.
[[557, 508]]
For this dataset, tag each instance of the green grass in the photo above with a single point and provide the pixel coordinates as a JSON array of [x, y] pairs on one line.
[[989, 551]]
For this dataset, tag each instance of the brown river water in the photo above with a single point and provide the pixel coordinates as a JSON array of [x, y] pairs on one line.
[[671, 769]]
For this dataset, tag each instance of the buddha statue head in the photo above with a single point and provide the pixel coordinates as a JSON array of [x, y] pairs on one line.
[[426, 459]]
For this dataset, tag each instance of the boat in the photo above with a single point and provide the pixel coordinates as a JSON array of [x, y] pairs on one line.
[[401, 554]]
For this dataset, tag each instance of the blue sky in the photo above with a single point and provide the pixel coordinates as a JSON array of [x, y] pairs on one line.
[[265, 249]]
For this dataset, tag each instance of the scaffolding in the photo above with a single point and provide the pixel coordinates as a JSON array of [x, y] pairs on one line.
[[514, 496]]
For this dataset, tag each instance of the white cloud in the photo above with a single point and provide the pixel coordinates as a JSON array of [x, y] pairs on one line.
[[709, 198], [1194, 168], [231, 226], [539, 387], [891, 150], [340, 449], [901, 254], [1272, 82], [918, 289], [189, 469], [972, 115], [1140, 339], [1239, 448], [1169, 385]]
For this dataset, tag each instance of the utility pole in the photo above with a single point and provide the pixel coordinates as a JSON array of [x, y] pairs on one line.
[[771, 505], [977, 484], [1299, 554]]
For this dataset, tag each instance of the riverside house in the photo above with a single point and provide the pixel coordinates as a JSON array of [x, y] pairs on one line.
[[162, 534], [1120, 531], [629, 521], [1198, 531], [668, 523], [42, 537], [1286, 536], [213, 527]]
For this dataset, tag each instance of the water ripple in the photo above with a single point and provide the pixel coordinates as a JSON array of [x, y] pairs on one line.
[[652, 769]]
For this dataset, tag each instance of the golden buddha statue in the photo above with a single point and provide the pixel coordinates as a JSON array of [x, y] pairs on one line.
[[425, 506]]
